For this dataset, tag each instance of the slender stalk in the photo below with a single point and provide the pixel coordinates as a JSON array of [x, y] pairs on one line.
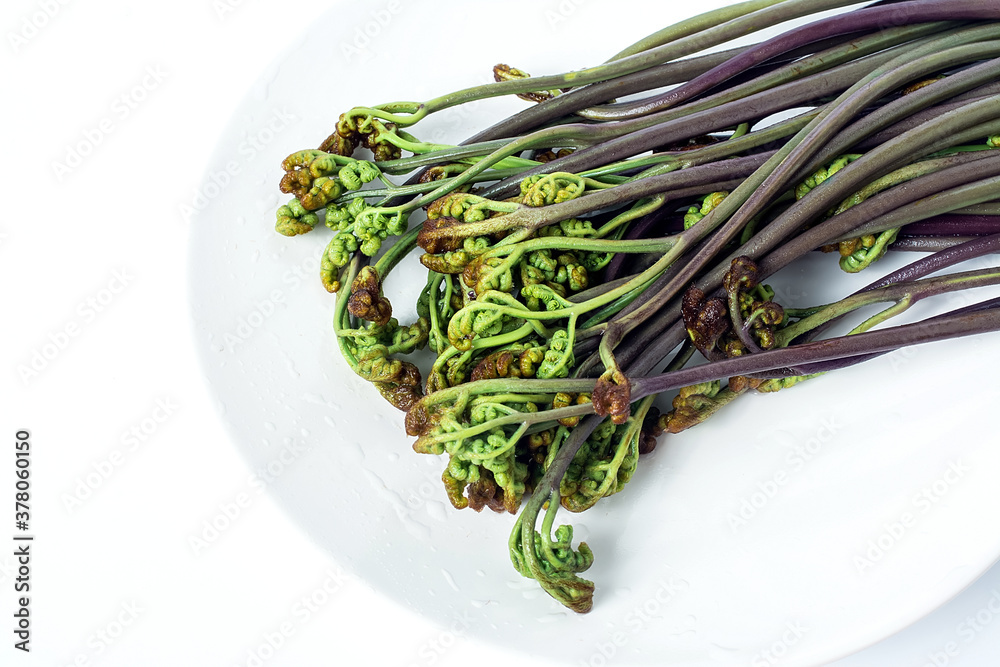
[[408, 113], [823, 60], [883, 340], [904, 294], [692, 26], [954, 225], [678, 184], [874, 17], [631, 137], [904, 243], [765, 183]]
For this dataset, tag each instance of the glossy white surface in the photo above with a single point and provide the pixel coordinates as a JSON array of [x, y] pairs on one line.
[[862, 490], [263, 590]]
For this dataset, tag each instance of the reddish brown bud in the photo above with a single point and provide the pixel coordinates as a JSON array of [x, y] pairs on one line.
[[439, 172], [503, 72], [290, 184], [366, 301], [404, 392], [741, 383], [613, 396], [650, 431], [705, 321], [496, 365], [550, 155], [691, 144], [434, 237], [742, 275], [418, 420], [340, 144], [486, 493]]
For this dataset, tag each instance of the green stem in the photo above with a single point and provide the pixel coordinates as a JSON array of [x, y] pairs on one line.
[[594, 327], [692, 26], [395, 254], [903, 294], [875, 49], [962, 197], [573, 243], [747, 200], [985, 208], [739, 26], [341, 316], [638, 210], [525, 418], [636, 283]]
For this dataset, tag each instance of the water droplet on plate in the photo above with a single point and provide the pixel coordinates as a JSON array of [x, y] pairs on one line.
[[269, 202], [315, 399], [419, 531], [436, 510], [451, 580]]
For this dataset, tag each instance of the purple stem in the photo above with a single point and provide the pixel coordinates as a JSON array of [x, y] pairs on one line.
[[632, 137], [941, 260], [837, 364], [927, 243], [956, 225], [870, 342], [638, 230], [919, 269], [870, 18], [921, 117]]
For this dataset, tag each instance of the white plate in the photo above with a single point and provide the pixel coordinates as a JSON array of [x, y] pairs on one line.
[[792, 528]]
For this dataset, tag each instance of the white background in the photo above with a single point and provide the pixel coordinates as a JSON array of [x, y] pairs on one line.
[[93, 268]]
